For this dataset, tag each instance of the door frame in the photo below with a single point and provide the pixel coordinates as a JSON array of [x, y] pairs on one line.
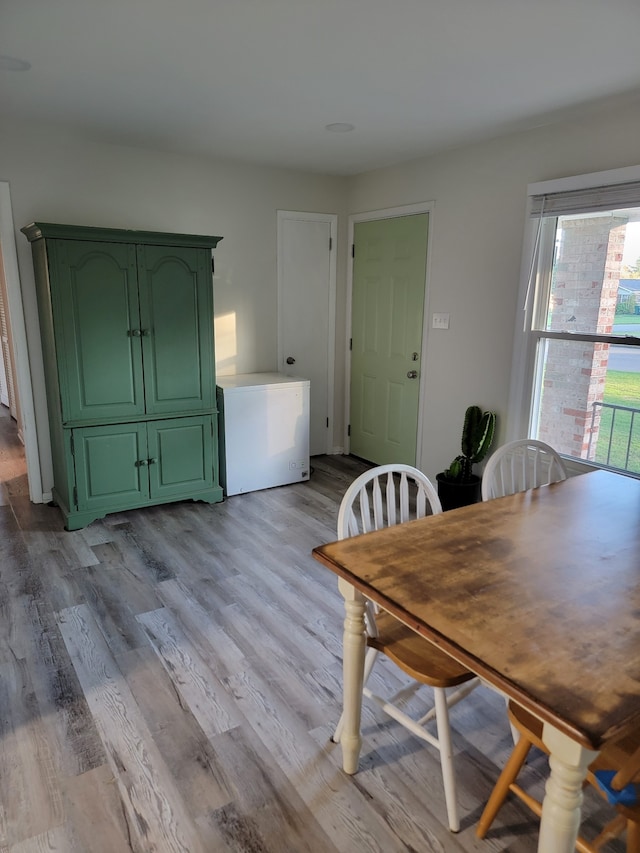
[[368, 216], [16, 318], [4, 378], [332, 219]]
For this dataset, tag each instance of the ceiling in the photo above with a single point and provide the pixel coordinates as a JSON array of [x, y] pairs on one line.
[[258, 80]]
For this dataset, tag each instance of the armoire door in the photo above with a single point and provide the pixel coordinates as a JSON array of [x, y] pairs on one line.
[[176, 296], [111, 466], [181, 456], [97, 322]]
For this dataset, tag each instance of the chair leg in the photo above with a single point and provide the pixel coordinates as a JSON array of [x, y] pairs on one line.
[[633, 837], [453, 697], [370, 659], [446, 757], [501, 789]]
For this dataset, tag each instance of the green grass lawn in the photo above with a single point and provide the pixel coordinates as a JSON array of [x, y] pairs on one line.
[[626, 320], [621, 389]]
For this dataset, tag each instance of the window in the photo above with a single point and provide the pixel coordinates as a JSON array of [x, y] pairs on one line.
[[580, 340]]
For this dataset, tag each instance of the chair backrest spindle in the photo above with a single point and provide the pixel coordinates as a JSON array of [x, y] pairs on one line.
[[365, 512], [391, 499]]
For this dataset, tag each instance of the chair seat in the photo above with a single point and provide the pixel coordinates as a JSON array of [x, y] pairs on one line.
[[416, 656]]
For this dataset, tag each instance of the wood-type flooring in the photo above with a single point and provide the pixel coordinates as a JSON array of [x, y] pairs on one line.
[[170, 678]]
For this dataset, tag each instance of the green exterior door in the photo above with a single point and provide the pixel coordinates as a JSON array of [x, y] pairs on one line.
[[111, 464], [387, 318], [181, 457], [96, 316], [177, 331]]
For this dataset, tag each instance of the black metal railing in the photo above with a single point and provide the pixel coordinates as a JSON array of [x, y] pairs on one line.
[[615, 446]]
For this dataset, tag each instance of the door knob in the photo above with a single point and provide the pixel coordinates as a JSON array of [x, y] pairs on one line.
[[291, 360], [412, 374]]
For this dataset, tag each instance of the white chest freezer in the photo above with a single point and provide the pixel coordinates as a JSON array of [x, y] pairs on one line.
[[264, 431]]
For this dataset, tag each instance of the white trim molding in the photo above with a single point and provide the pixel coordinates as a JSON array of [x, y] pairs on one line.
[[21, 352]]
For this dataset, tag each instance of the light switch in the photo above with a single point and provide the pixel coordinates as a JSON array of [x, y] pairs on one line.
[[440, 321]]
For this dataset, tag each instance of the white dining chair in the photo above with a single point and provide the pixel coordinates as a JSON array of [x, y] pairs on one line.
[[515, 467], [521, 465], [382, 497]]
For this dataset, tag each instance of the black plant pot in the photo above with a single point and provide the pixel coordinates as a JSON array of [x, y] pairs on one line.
[[453, 494]]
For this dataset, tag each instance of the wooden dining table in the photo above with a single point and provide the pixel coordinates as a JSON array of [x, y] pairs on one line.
[[538, 593]]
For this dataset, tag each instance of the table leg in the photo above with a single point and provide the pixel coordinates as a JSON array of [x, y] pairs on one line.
[[353, 649], [563, 792]]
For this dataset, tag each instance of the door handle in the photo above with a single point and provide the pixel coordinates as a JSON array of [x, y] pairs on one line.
[[412, 374], [291, 360]]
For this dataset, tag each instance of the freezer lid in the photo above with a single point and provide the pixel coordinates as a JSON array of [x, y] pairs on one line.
[[255, 381]]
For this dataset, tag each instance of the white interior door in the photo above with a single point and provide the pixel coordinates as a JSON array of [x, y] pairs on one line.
[[306, 313]]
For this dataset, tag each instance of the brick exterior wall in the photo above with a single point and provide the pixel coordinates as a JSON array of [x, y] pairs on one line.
[[584, 294]]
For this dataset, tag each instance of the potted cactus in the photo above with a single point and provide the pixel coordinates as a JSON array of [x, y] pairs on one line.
[[458, 485]]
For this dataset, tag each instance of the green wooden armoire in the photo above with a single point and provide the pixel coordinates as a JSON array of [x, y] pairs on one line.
[[126, 319]]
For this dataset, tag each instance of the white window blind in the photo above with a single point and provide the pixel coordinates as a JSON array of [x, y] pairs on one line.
[[611, 197]]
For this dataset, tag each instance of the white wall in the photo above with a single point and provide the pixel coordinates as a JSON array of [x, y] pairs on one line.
[[476, 239], [476, 242], [58, 177]]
